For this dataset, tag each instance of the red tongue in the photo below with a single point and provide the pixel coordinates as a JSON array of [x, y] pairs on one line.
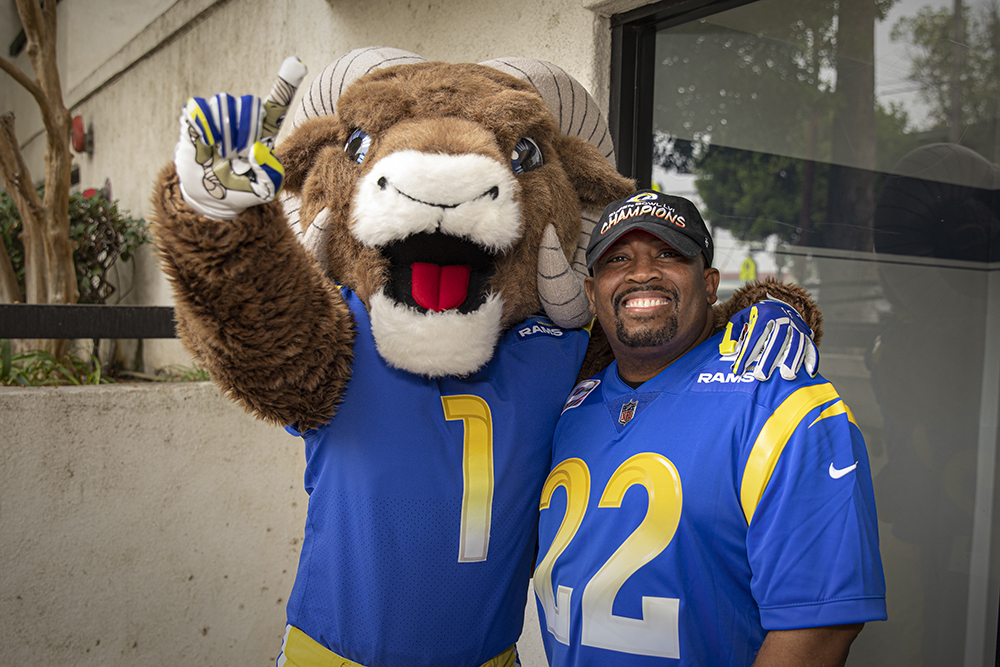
[[439, 287]]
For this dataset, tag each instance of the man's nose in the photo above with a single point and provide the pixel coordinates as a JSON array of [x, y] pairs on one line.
[[642, 269]]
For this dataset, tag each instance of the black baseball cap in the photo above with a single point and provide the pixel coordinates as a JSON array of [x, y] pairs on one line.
[[670, 218]]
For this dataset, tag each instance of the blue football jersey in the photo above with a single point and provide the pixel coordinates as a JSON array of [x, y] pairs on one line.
[[423, 504], [684, 519]]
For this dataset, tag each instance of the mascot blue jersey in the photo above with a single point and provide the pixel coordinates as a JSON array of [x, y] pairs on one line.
[[423, 502], [684, 519]]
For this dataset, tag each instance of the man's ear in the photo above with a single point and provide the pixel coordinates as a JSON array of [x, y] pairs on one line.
[[712, 278], [588, 287], [298, 152]]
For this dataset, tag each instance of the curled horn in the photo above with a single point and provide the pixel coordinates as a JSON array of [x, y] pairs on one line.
[[320, 99], [560, 283]]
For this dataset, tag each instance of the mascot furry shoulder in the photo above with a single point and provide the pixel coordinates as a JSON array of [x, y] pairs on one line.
[[413, 309]]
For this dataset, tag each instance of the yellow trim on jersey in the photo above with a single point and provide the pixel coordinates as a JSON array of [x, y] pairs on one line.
[[301, 650], [772, 440], [838, 408], [751, 323]]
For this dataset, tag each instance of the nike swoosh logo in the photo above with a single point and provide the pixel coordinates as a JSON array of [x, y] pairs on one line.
[[837, 474]]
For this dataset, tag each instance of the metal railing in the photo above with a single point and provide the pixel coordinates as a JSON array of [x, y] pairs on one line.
[[86, 321]]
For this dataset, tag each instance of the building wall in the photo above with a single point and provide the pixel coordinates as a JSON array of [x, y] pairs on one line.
[[131, 96], [144, 525], [154, 525], [159, 524]]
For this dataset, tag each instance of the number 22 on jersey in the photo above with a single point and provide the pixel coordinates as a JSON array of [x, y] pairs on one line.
[[656, 633]]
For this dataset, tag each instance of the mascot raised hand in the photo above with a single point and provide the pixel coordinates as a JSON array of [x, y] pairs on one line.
[[412, 307]]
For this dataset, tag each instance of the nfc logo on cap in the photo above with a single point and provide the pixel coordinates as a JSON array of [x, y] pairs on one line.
[[641, 197]]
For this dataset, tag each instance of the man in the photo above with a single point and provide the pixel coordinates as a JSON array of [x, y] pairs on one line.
[[695, 517]]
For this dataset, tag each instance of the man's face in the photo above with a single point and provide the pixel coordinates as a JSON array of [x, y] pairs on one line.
[[647, 295]]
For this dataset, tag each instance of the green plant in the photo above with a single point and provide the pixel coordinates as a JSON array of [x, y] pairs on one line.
[[39, 368], [101, 235]]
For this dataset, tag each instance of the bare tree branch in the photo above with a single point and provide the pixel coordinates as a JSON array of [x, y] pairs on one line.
[[15, 72], [21, 189], [50, 276], [14, 169]]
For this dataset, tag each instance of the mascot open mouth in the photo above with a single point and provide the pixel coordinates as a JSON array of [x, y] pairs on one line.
[[437, 272]]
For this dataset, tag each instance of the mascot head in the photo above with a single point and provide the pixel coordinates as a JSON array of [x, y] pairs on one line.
[[452, 198]]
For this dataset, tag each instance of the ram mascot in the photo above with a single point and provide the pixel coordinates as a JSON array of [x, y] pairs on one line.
[[411, 310]]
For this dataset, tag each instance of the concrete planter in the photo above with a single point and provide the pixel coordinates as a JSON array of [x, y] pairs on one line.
[[150, 524], [153, 524]]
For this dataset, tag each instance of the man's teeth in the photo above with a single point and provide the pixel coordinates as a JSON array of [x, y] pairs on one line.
[[646, 302]]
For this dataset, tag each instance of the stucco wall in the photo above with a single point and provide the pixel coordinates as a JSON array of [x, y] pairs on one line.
[[199, 47], [144, 525], [148, 525]]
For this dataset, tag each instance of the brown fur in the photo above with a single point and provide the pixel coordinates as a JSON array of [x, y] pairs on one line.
[[254, 310], [453, 109], [275, 334], [252, 307]]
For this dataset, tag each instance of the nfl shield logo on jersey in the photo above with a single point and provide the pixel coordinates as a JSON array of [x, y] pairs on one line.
[[628, 411]]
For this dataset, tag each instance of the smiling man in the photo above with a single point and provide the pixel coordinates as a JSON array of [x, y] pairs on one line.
[[694, 517]]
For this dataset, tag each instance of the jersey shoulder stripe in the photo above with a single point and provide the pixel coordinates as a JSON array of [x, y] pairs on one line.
[[775, 434]]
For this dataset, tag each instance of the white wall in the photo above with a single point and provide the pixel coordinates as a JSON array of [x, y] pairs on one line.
[[144, 525], [154, 525], [199, 47]]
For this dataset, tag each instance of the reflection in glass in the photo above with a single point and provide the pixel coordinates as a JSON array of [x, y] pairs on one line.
[[852, 147]]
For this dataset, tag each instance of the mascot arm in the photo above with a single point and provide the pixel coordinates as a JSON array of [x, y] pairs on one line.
[[254, 309], [771, 326]]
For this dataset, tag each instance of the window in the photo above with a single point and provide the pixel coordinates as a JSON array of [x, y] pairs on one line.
[[853, 147]]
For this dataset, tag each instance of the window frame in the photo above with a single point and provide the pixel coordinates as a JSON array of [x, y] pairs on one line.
[[630, 108], [633, 50]]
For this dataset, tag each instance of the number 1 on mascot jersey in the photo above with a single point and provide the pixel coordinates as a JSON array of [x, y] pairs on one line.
[[477, 469]]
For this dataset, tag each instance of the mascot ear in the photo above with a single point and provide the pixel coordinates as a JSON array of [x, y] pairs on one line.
[[299, 151], [595, 180]]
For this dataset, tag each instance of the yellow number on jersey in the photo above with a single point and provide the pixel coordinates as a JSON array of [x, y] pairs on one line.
[[574, 476], [656, 633], [477, 472]]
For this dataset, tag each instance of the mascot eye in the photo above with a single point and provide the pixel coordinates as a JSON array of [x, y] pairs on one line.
[[357, 146], [526, 156]]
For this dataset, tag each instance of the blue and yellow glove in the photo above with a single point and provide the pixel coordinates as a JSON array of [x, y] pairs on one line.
[[225, 157], [772, 335]]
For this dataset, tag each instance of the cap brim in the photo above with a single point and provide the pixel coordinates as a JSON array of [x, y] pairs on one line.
[[678, 241]]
